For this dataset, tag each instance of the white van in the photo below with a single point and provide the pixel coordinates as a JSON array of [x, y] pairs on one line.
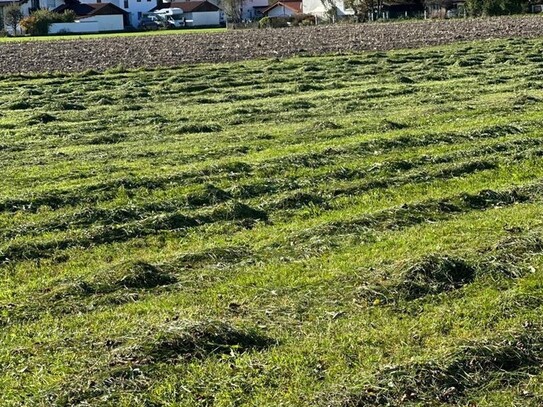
[[172, 17]]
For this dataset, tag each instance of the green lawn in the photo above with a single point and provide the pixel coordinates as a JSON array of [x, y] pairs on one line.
[[113, 35], [337, 231]]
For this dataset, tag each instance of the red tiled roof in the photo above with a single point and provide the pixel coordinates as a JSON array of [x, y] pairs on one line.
[[295, 6]]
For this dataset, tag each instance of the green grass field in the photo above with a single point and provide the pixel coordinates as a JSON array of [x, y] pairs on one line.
[[112, 35], [337, 231]]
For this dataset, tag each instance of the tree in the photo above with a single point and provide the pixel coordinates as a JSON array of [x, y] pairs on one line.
[[495, 7], [361, 8], [12, 17], [331, 9], [233, 10], [39, 21]]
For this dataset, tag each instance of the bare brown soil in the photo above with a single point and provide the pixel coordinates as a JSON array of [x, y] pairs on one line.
[[171, 50]]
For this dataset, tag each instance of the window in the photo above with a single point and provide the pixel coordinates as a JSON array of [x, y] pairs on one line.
[[125, 3], [139, 15]]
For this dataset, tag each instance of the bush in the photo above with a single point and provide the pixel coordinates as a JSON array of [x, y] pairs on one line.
[[264, 23], [38, 22], [496, 7], [278, 22]]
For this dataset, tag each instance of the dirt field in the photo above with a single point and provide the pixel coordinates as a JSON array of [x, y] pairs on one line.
[[171, 50]]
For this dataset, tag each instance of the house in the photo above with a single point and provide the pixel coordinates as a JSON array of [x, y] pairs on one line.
[[29, 6], [401, 8], [93, 17], [284, 9], [197, 13], [134, 8], [318, 9], [445, 8], [253, 9]]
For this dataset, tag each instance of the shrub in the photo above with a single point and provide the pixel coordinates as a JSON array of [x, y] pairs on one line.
[[264, 23], [38, 22]]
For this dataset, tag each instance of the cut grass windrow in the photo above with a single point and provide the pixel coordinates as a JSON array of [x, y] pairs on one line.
[[438, 273], [211, 195], [431, 275], [479, 365], [107, 190], [125, 282], [176, 221]]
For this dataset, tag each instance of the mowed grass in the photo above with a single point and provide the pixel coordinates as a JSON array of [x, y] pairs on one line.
[[113, 35], [336, 231]]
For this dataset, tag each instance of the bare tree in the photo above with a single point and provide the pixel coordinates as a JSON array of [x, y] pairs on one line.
[[233, 10], [361, 8], [12, 17], [331, 9]]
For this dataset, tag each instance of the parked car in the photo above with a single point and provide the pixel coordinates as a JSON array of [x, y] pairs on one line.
[[151, 22]]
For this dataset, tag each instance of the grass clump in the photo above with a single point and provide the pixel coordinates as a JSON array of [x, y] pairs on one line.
[[210, 195], [478, 365], [128, 275], [198, 128], [111, 138], [201, 340], [40, 118], [231, 211], [431, 275], [143, 275]]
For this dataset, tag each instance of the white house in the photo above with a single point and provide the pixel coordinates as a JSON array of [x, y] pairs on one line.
[[284, 9], [92, 17], [134, 8], [253, 9], [30, 6], [318, 9], [250, 9]]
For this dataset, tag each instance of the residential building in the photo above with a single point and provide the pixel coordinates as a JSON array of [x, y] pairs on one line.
[[92, 17], [134, 8], [284, 9], [318, 9]]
